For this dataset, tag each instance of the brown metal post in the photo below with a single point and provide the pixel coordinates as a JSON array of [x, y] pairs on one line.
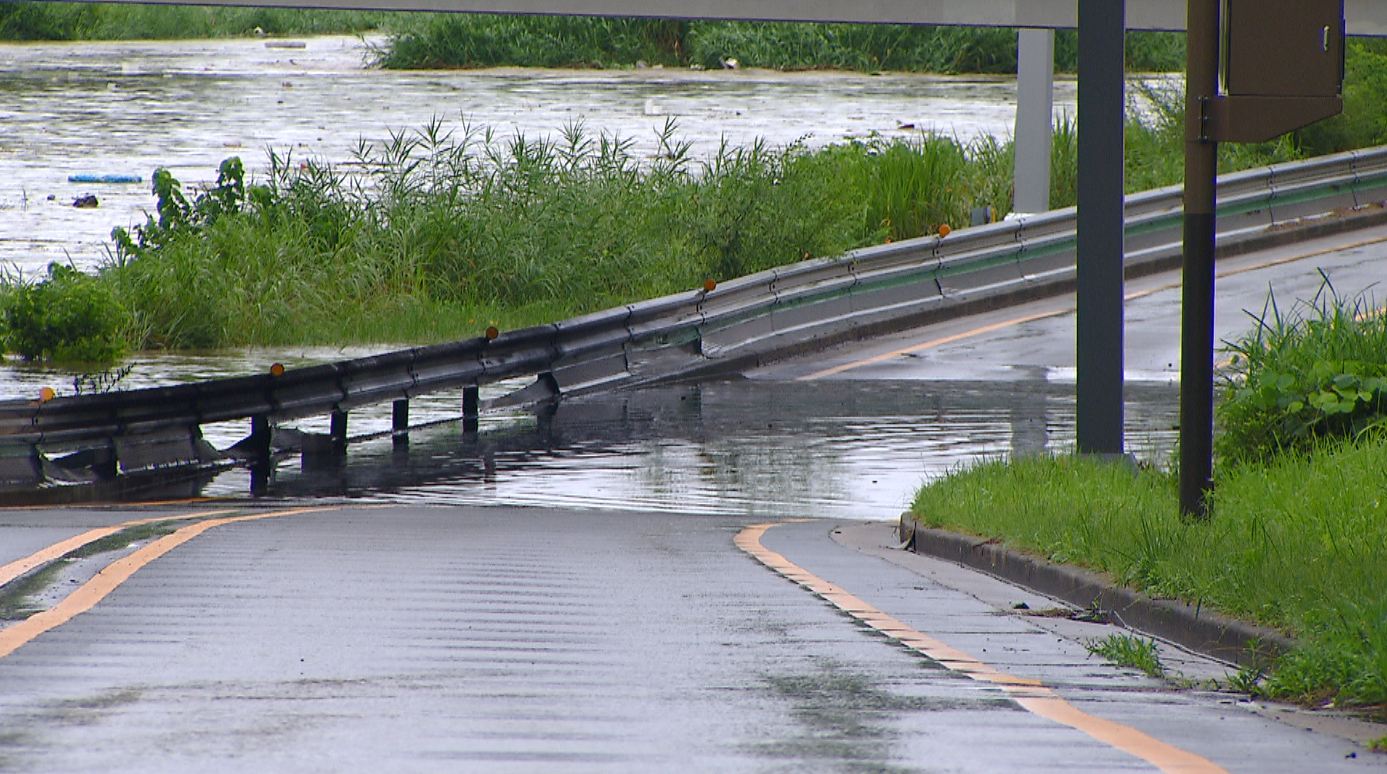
[[1197, 303]]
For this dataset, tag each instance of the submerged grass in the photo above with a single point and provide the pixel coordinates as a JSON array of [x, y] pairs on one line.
[[1296, 543]]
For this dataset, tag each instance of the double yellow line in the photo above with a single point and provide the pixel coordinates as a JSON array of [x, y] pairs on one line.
[[85, 597]]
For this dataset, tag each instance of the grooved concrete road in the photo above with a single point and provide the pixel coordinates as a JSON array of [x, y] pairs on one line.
[[426, 639]]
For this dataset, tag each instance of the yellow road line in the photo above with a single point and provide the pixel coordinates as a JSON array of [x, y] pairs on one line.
[[18, 567], [109, 579], [1030, 694], [1063, 310]]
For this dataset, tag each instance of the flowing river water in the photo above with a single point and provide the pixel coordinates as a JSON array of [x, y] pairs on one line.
[[855, 449]]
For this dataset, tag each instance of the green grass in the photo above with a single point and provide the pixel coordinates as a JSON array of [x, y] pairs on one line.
[[1296, 544], [1129, 651], [97, 21]]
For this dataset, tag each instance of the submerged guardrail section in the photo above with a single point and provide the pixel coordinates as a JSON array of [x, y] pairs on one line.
[[759, 317]]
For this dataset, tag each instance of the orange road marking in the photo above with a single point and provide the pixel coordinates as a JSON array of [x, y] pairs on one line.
[[86, 596], [18, 567], [1063, 310], [1031, 694]]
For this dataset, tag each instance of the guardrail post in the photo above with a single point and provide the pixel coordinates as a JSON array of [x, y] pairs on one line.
[[399, 421], [471, 408], [337, 431], [259, 451]]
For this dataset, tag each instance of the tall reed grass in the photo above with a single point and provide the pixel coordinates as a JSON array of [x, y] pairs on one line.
[[486, 41]]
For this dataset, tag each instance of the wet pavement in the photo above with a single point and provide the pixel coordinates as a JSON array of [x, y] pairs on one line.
[[467, 638]]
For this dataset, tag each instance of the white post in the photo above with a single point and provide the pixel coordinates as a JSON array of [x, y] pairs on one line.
[[1035, 79]]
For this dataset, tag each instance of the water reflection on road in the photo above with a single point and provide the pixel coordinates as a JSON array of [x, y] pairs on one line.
[[847, 449]]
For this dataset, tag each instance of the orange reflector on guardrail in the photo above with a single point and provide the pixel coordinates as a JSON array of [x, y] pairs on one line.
[[46, 394], [944, 230], [709, 285], [492, 332], [277, 369]]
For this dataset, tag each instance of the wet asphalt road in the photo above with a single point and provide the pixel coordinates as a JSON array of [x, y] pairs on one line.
[[482, 639], [468, 636]]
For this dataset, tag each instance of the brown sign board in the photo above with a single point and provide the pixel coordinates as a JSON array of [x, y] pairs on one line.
[[1282, 67], [1283, 48]]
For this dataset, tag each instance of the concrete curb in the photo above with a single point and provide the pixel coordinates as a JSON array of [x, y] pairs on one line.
[[1201, 631]]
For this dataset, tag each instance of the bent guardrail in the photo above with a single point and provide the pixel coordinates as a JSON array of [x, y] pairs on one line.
[[758, 317]]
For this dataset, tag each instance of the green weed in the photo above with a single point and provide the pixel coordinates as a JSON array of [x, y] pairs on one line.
[[1129, 651], [1317, 370]]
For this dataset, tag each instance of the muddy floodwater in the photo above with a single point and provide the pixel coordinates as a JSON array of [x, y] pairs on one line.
[[126, 108]]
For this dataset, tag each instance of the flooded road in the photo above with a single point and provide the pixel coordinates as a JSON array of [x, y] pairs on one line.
[[126, 108], [843, 449], [852, 449]]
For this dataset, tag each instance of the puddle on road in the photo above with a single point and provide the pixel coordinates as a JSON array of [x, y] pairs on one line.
[[843, 449]]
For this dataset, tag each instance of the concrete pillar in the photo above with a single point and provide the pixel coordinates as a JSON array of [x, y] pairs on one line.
[[1035, 82], [1099, 317]]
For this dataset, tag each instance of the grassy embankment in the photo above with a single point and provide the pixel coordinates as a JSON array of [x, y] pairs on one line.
[[96, 21], [488, 41], [420, 40], [1297, 537]]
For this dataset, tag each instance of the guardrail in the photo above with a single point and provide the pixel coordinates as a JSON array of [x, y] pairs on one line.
[[758, 317]]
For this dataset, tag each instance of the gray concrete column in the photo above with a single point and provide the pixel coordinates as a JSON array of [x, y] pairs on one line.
[[1035, 82]]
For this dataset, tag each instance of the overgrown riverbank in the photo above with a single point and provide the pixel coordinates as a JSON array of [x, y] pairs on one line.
[[1298, 527], [483, 40], [437, 233]]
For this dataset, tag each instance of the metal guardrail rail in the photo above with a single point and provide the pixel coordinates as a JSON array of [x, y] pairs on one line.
[[758, 317]]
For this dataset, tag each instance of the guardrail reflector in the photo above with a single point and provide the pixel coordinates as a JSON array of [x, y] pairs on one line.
[[277, 370], [46, 394]]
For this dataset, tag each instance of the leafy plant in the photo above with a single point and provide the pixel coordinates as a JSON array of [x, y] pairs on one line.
[[1129, 651], [69, 316], [1317, 371]]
